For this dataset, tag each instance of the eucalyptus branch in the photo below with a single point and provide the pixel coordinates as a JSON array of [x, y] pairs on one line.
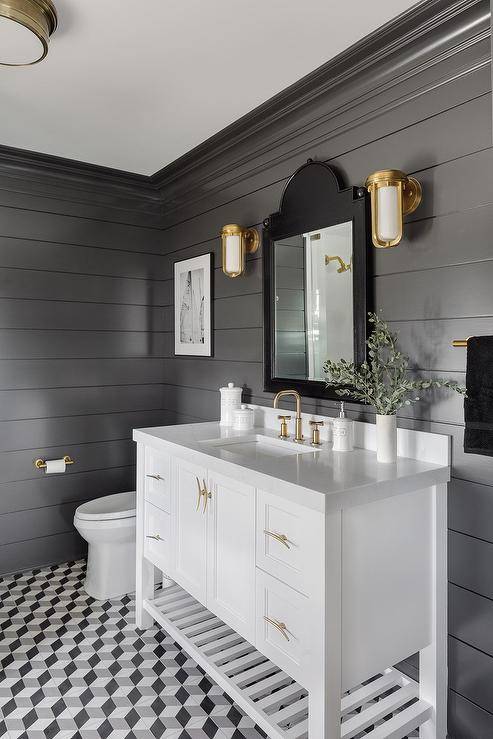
[[382, 380]]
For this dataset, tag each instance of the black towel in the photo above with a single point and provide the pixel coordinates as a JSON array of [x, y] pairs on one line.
[[478, 405]]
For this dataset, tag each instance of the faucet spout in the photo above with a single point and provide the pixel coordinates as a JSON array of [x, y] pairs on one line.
[[299, 424]]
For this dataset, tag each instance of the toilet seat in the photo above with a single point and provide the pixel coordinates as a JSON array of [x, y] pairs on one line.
[[109, 508]]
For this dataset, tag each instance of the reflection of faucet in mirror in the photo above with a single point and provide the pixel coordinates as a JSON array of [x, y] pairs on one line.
[[299, 427], [343, 266]]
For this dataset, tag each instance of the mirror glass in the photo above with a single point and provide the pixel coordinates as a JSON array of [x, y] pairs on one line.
[[313, 294]]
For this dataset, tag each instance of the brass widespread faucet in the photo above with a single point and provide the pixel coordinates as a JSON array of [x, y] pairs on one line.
[[299, 425]]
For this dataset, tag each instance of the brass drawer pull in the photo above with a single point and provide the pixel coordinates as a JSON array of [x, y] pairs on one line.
[[156, 477], [201, 492], [207, 497], [154, 536], [278, 625], [282, 538]]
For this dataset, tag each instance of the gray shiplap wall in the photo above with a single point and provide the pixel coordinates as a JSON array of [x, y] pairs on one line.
[[81, 345], [422, 105]]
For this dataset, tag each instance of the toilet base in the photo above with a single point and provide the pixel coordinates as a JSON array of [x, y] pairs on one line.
[[110, 570]]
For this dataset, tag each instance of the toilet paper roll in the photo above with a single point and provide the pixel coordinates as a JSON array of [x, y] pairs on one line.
[[55, 466]]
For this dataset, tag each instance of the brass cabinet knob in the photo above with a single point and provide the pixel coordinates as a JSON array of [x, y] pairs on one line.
[[284, 433], [316, 432]]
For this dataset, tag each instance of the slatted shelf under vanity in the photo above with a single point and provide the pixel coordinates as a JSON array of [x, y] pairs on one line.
[[274, 700]]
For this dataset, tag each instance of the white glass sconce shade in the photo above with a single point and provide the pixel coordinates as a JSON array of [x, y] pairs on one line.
[[389, 213]]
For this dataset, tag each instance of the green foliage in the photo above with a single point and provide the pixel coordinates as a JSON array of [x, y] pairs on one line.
[[382, 381]]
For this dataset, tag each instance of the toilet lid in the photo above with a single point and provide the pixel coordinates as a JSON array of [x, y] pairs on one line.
[[119, 505]]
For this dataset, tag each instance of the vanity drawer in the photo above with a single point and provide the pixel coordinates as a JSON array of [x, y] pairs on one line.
[[282, 627], [157, 477], [157, 531], [289, 541]]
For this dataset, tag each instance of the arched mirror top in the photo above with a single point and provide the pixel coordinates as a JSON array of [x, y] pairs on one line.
[[315, 279]]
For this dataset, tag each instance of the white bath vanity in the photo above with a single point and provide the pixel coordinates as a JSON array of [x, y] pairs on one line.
[[297, 574]]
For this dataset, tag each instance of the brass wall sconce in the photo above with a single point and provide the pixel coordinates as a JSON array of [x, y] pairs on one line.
[[236, 243], [343, 267], [393, 196]]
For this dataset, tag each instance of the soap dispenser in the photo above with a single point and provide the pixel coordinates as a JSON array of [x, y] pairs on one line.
[[342, 432]]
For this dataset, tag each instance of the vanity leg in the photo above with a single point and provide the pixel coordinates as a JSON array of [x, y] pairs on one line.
[[433, 659], [144, 580], [324, 699]]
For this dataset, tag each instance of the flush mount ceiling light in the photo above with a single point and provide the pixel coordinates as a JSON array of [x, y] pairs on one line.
[[25, 30], [393, 196]]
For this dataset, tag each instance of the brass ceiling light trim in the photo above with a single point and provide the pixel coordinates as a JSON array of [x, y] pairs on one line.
[[37, 16], [393, 195]]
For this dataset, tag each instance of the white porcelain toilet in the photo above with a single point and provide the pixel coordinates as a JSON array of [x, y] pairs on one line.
[[108, 526]]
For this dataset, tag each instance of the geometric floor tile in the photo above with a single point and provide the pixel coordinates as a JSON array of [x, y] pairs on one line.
[[74, 667]]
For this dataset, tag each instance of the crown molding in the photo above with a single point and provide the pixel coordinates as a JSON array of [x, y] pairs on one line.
[[422, 37], [79, 181]]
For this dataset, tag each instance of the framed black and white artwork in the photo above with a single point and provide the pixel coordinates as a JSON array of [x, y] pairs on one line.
[[193, 311]]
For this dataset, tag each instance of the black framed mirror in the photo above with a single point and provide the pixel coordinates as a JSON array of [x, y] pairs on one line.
[[316, 287]]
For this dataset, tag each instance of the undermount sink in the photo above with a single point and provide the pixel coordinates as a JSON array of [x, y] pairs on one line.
[[258, 445]]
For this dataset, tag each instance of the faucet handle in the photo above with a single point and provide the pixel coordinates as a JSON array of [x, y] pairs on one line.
[[316, 432], [284, 433]]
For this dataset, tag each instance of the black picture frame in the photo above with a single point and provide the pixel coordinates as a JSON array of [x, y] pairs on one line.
[[314, 198]]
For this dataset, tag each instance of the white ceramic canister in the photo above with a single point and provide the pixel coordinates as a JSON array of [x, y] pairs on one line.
[[243, 418], [230, 402]]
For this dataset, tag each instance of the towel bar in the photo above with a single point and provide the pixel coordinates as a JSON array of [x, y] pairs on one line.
[[40, 464]]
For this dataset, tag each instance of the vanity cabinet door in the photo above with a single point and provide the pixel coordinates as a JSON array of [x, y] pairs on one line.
[[231, 553], [189, 482]]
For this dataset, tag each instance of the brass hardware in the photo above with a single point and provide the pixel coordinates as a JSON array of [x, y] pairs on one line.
[[40, 464], [154, 536], [201, 492], [278, 625], [298, 437], [409, 195], [316, 432], [314, 237], [156, 477], [282, 538], [343, 266], [248, 243], [207, 496], [460, 342], [38, 16], [284, 433]]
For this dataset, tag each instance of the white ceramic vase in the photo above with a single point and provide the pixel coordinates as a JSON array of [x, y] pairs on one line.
[[386, 439]]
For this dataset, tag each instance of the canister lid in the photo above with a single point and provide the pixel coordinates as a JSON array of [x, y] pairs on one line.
[[230, 388]]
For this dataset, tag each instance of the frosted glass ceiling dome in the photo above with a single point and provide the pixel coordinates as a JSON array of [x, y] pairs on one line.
[[25, 30]]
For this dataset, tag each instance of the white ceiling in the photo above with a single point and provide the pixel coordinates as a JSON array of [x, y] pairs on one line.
[[134, 85]]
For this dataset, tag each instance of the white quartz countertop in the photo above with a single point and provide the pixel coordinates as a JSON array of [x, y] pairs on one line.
[[349, 478]]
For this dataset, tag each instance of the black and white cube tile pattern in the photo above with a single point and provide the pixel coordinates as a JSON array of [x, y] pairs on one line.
[[71, 666]]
